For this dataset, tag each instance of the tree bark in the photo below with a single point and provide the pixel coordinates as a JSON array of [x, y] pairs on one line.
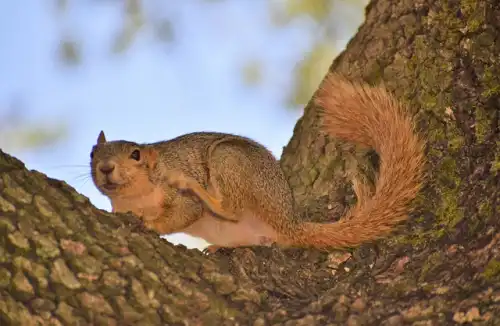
[[64, 262]]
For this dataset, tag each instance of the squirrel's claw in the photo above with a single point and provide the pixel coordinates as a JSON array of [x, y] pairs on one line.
[[212, 249], [138, 225]]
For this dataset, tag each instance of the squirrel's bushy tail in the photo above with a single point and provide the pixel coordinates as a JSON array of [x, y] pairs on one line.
[[370, 116]]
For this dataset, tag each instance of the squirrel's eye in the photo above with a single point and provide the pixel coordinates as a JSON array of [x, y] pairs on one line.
[[92, 155], [135, 155]]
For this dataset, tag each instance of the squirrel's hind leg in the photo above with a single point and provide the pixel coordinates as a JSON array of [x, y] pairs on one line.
[[182, 182]]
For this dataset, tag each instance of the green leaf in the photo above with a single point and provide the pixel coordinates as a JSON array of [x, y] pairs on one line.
[[252, 73], [310, 72]]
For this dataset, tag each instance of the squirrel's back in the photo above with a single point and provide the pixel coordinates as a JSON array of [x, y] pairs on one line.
[[199, 142], [191, 152]]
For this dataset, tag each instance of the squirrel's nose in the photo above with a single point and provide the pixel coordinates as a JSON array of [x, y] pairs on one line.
[[107, 168]]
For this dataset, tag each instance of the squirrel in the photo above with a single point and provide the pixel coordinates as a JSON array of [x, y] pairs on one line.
[[231, 191]]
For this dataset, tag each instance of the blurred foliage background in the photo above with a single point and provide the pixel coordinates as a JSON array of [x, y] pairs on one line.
[[322, 24]]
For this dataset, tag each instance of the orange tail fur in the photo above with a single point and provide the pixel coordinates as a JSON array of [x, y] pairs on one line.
[[370, 116]]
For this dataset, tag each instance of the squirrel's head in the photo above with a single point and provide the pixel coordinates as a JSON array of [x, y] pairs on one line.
[[121, 168]]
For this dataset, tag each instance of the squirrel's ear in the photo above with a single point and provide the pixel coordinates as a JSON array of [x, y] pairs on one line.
[[101, 139]]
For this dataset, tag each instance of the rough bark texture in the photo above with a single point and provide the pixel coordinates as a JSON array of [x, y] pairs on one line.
[[62, 261]]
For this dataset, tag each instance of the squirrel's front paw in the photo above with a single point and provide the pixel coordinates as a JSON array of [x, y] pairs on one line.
[[140, 225], [177, 180], [211, 249]]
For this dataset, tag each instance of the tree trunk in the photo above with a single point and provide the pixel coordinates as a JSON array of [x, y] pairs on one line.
[[62, 261]]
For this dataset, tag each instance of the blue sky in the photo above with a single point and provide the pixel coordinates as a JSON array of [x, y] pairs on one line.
[[152, 92]]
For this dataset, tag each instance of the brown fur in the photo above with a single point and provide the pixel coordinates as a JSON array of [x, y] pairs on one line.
[[235, 193]]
